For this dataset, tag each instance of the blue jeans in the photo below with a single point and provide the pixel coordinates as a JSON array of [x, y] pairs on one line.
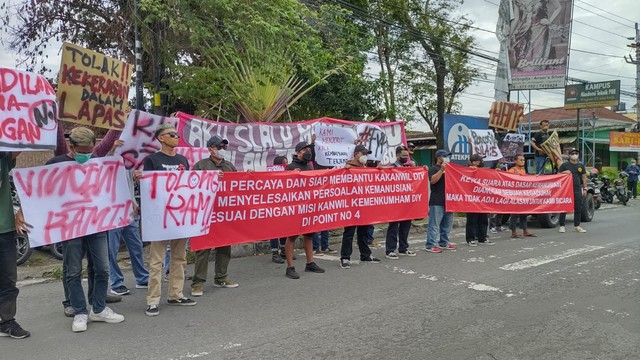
[[440, 223], [370, 230], [132, 240], [321, 240], [540, 161], [98, 250], [8, 276]]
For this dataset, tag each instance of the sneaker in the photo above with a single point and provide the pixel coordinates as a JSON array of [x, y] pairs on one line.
[[69, 312], [435, 249], [580, 230], [197, 290], [472, 243], [407, 253], [112, 298], [275, 257], [165, 277], [291, 273], [226, 283], [562, 229], [79, 323], [120, 290], [392, 256], [329, 251], [152, 310], [142, 286], [317, 253], [182, 302], [486, 242], [313, 267], [13, 330], [371, 259], [449, 247], [503, 228], [493, 230], [345, 263], [107, 315]]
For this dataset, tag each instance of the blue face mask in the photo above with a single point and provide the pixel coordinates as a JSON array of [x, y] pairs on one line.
[[82, 158]]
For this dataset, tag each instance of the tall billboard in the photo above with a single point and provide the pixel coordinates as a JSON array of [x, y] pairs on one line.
[[539, 43]]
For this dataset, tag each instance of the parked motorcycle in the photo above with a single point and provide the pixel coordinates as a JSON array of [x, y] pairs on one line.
[[622, 193], [606, 190], [593, 181]]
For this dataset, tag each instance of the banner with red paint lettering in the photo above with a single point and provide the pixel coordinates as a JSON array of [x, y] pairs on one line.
[[93, 89], [68, 200], [138, 140], [28, 112], [193, 154], [176, 204], [253, 146], [489, 191], [254, 206]]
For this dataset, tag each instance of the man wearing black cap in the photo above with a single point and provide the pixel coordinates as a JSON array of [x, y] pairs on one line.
[[440, 221], [359, 160], [410, 160], [579, 176], [301, 162], [217, 149]]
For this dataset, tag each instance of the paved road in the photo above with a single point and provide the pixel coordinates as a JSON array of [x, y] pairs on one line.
[[558, 296]]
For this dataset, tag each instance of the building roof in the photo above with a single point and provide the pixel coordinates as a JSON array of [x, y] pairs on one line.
[[561, 118]]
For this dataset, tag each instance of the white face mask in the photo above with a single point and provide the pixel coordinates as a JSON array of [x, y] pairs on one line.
[[363, 159], [221, 153], [446, 160], [573, 157]]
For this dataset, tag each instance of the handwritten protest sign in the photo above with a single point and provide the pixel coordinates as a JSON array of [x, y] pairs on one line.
[[93, 89], [506, 115], [138, 140], [551, 148], [193, 154], [512, 144], [484, 143], [28, 112], [488, 191], [176, 204], [255, 145], [334, 145], [68, 200], [253, 206]]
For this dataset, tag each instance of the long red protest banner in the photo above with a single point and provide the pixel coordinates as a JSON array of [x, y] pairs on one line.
[[490, 191], [254, 206]]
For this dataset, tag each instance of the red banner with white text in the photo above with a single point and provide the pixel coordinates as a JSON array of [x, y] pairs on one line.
[[480, 190], [255, 206]]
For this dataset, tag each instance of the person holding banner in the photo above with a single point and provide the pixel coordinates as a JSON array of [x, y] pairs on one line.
[[277, 245], [536, 141], [8, 266], [217, 148], [579, 176], [301, 162], [477, 223], [166, 160], [519, 169], [359, 160], [82, 141], [398, 231], [440, 221]]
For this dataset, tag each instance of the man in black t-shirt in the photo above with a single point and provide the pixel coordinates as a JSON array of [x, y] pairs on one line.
[[579, 176], [167, 160], [440, 221], [536, 141]]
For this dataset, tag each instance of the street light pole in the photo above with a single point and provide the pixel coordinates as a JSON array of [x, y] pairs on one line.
[[138, 54]]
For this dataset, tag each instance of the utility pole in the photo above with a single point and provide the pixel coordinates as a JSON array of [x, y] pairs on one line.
[[636, 62]]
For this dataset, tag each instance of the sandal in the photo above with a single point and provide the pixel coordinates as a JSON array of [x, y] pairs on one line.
[[516, 236], [530, 235]]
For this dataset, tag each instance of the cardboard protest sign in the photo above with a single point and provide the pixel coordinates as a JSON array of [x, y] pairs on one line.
[[93, 89], [253, 146], [488, 191], [176, 204], [68, 200], [334, 145], [138, 139], [512, 144], [253, 206], [506, 115], [28, 112], [551, 148], [485, 144]]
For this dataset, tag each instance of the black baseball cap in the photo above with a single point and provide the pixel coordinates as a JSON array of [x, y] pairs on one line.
[[410, 145], [361, 148], [574, 150], [216, 140], [301, 145], [476, 157], [442, 153]]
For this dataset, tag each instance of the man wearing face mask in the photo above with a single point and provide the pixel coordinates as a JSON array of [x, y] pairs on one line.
[[632, 182], [358, 161], [82, 141], [301, 162], [398, 231], [579, 176], [218, 149], [440, 221]]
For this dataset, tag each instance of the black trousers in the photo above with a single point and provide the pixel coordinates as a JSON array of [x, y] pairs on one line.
[[476, 228], [577, 209], [347, 242], [8, 276], [398, 231]]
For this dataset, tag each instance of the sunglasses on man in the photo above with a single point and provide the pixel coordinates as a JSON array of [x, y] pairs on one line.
[[173, 134]]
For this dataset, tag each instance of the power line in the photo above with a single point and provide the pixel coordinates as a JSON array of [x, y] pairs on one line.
[[597, 28], [595, 53], [605, 11], [598, 41], [602, 16], [599, 73]]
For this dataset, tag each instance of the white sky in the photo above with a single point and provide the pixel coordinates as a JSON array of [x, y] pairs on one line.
[[607, 34]]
